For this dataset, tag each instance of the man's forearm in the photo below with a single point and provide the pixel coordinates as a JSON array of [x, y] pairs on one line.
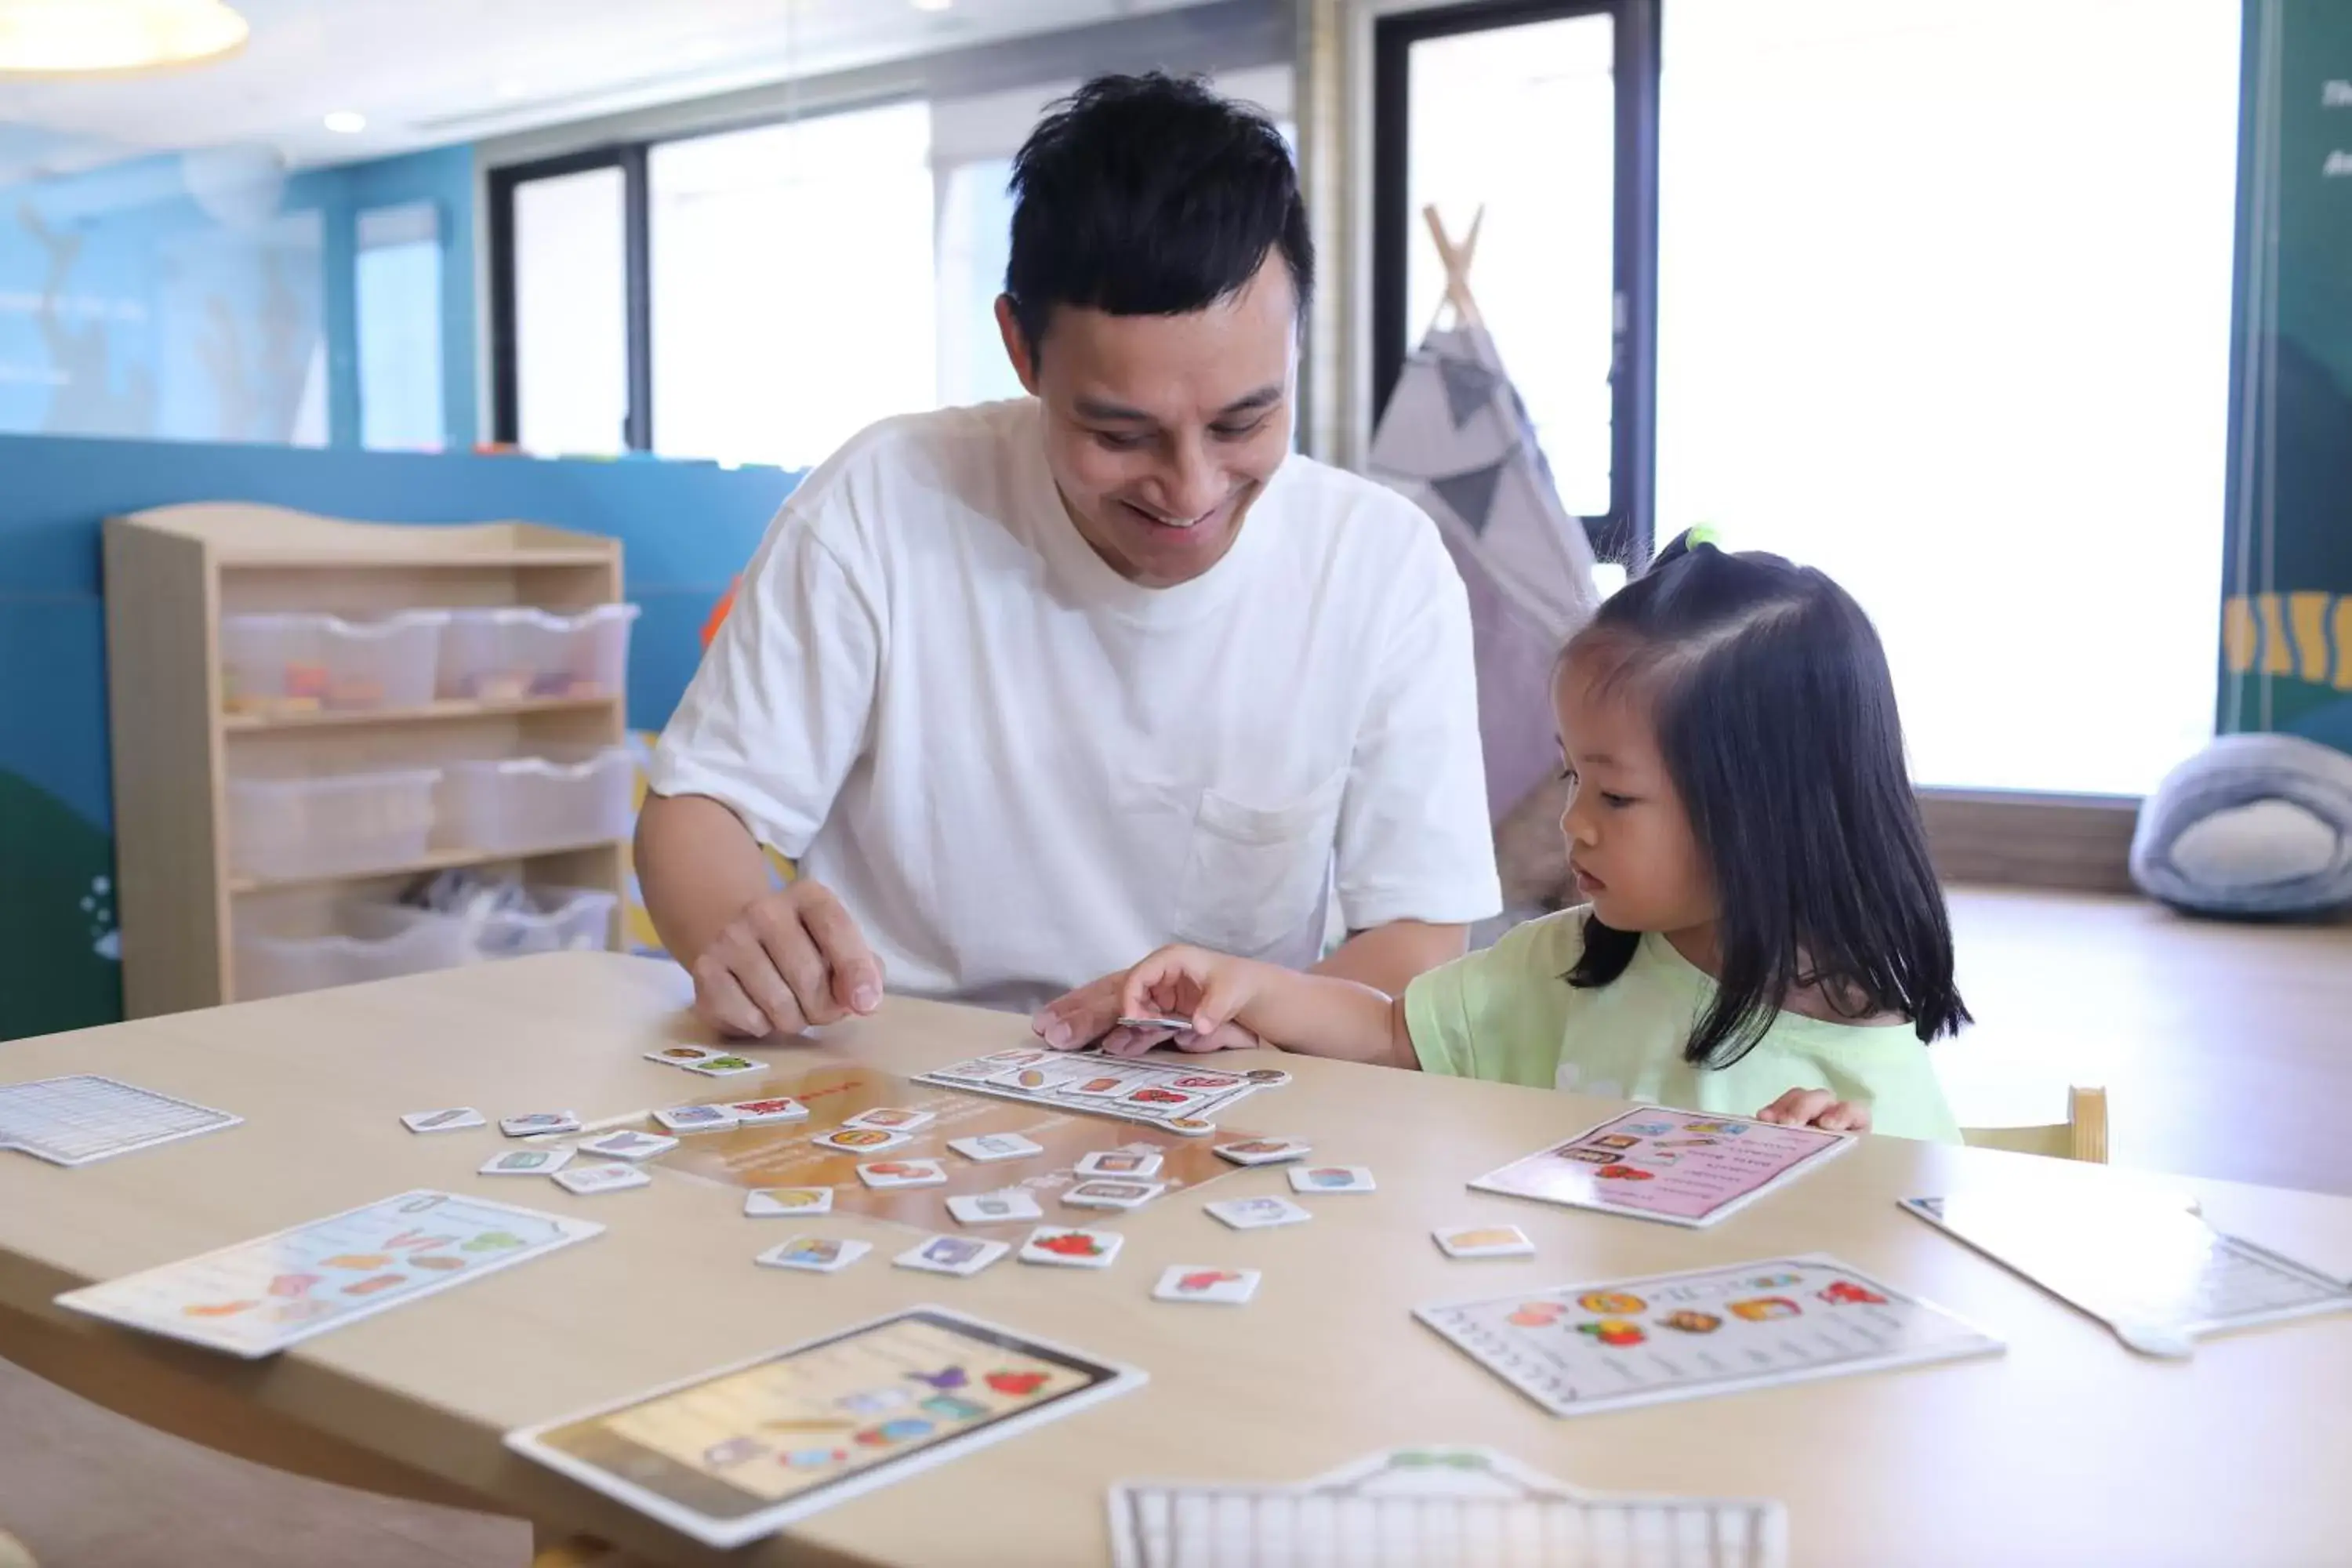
[[1386, 958], [698, 866]]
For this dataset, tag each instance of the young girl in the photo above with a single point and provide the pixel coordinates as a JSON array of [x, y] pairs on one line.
[[1763, 936]]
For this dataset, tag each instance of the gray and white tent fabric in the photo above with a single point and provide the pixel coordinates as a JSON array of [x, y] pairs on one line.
[[1456, 439]]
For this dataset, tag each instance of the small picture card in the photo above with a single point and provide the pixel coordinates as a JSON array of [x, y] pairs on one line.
[[1134, 1164], [1263, 1151], [1207, 1082], [990, 1147], [814, 1253], [682, 1056], [1111, 1195], [526, 1162], [896, 1118], [696, 1118], [861, 1140], [602, 1178], [1161, 1101], [1044, 1076], [539, 1121], [762, 1112], [902, 1173], [449, 1121], [1023, 1056], [1190, 1126], [1257, 1214], [1174, 1025], [777, 1203], [1331, 1179], [1098, 1085], [1195, 1282], [1062, 1246], [725, 1066], [1484, 1241], [979, 1070], [627, 1143], [958, 1255], [994, 1208]]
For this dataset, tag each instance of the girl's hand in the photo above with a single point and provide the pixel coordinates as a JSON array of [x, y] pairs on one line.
[[1209, 988], [1089, 1015], [1817, 1108]]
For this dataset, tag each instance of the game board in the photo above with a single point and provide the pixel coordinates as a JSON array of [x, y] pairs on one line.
[[76, 1119], [1610, 1344], [731, 1455], [784, 1155], [1183, 1096], [258, 1296], [2134, 1262], [1682, 1167], [1471, 1507]]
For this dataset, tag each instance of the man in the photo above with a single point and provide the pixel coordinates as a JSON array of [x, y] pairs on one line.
[[1030, 689]]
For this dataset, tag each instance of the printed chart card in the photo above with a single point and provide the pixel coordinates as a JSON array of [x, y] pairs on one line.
[[76, 1119], [2134, 1261], [1471, 1507], [1618, 1344], [734, 1455], [1178, 1094], [1680, 1167], [258, 1297]]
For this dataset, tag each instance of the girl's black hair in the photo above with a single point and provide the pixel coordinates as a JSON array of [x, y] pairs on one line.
[[1772, 703]]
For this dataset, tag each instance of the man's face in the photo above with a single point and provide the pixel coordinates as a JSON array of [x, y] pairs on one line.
[[1162, 430]]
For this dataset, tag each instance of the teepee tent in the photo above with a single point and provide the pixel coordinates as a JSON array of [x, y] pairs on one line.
[[1456, 439]]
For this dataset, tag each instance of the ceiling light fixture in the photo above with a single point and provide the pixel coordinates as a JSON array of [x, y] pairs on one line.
[[81, 37], [933, 4], [346, 123]]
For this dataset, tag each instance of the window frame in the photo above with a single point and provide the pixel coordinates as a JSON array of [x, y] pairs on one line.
[[506, 383], [1625, 533]]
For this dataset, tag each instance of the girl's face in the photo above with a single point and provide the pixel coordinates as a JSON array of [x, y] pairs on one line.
[[1629, 838]]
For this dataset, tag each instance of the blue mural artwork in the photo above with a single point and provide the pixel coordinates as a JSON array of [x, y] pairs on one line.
[[686, 529], [212, 296]]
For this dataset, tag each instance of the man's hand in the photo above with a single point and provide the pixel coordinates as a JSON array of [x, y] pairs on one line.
[[1817, 1108], [790, 959], [1077, 1018]]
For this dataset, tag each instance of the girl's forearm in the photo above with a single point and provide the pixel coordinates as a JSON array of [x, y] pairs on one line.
[[1319, 1015]]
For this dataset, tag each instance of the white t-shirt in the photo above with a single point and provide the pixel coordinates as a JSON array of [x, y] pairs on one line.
[[1021, 771]]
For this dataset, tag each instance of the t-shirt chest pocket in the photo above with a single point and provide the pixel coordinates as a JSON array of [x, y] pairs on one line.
[[1254, 876]]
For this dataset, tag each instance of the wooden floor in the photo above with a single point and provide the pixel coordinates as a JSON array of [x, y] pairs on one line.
[[2226, 1051]]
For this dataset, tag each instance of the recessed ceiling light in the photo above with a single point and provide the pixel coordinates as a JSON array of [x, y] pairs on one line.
[[346, 123], [70, 37], [511, 87], [933, 4]]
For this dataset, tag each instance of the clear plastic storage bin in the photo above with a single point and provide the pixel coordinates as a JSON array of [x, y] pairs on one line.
[[524, 803], [503, 654], [369, 942], [282, 828], [302, 663], [560, 918]]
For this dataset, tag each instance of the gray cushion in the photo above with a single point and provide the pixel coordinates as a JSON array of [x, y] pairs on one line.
[[2253, 825]]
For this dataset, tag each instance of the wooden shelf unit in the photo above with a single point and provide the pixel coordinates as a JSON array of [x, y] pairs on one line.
[[171, 574]]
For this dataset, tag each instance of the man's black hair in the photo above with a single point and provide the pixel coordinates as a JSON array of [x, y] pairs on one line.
[[1151, 195], [1774, 708]]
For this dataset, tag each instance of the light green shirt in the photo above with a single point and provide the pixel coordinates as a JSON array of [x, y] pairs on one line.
[[1508, 1014]]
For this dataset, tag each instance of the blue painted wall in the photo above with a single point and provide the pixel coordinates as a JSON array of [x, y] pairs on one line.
[[686, 530]]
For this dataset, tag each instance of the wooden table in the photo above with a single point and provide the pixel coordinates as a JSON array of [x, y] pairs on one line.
[[2066, 1449]]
